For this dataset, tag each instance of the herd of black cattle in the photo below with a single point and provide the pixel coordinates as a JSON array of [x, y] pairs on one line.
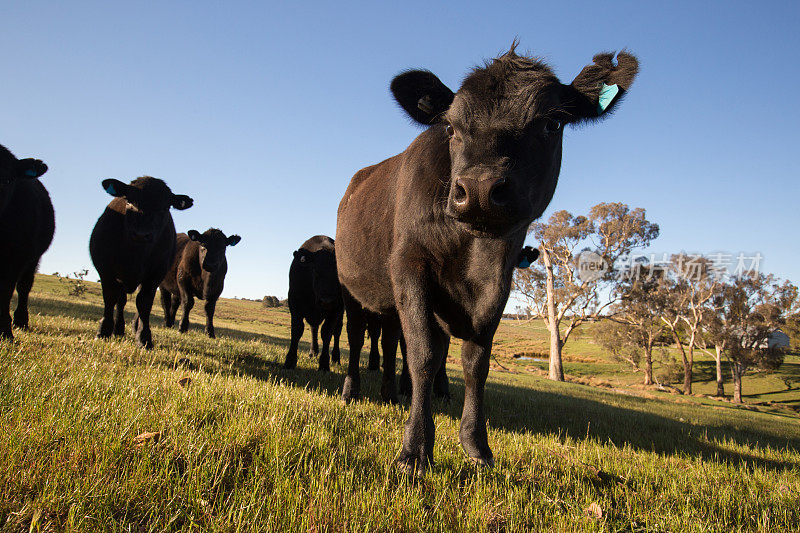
[[426, 241]]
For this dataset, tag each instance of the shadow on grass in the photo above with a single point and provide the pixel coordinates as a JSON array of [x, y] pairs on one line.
[[547, 410]]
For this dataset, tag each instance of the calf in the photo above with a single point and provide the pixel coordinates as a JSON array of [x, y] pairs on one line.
[[27, 223], [133, 245], [198, 271], [315, 296], [429, 238]]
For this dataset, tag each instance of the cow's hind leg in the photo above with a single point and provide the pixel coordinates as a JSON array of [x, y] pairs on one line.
[[111, 294], [337, 332], [390, 334], [297, 331], [24, 285], [356, 326], [441, 385], [119, 318], [314, 339], [374, 330], [473, 436]]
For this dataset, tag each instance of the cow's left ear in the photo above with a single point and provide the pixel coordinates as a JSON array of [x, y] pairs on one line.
[[30, 168], [527, 257], [115, 187], [194, 235], [422, 95], [600, 86], [233, 240], [181, 201]]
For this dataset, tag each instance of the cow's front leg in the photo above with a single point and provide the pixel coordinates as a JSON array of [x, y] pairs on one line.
[[187, 300], [144, 304], [425, 343], [473, 436], [327, 332], [314, 340], [210, 305]]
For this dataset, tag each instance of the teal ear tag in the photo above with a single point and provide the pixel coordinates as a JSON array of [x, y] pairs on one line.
[[31, 173], [607, 95], [523, 263], [110, 190]]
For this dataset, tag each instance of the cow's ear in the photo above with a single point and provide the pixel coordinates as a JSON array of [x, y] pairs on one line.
[[527, 257], [181, 201], [30, 168], [422, 95], [115, 187], [194, 235], [595, 92], [233, 240]]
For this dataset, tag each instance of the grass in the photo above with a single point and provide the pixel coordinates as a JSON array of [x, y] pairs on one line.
[[248, 446]]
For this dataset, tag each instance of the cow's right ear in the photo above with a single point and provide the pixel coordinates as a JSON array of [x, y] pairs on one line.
[[30, 168], [194, 235], [181, 202], [115, 187], [422, 95]]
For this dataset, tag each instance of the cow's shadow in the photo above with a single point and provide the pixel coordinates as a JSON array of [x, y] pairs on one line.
[[509, 407]]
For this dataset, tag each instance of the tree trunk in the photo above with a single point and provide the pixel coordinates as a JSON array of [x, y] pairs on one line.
[[648, 364], [738, 371], [556, 369], [720, 379], [687, 378]]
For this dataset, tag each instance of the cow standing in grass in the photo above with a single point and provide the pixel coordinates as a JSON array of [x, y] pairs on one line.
[[198, 271], [27, 223], [429, 238], [316, 297], [133, 245]]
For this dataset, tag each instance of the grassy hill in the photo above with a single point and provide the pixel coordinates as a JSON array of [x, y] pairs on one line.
[[214, 434]]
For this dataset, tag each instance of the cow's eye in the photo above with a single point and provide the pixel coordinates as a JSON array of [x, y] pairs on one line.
[[449, 129], [552, 126]]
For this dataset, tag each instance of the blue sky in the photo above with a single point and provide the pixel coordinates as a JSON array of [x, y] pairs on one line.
[[262, 112]]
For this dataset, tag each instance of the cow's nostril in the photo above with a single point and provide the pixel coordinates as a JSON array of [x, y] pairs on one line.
[[459, 193], [500, 194]]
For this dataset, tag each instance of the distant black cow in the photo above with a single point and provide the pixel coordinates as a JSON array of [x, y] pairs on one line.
[[27, 223], [429, 238], [315, 296], [198, 271], [133, 245]]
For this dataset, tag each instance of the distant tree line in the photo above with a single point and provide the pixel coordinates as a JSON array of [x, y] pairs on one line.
[[683, 301]]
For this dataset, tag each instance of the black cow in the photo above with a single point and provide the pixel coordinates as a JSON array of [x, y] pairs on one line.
[[198, 271], [315, 296], [27, 223], [133, 245], [429, 238]]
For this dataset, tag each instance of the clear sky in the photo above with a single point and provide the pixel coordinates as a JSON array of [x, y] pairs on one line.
[[262, 112]]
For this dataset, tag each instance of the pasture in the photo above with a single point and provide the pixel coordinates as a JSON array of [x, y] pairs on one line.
[[215, 434]]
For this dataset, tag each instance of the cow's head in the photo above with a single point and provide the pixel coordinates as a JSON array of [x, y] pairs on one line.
[[13, 170], [147, 208], [212, 247], [505, 126], [324, 278]]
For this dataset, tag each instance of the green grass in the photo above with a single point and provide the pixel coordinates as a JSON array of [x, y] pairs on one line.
[[248, 446]]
